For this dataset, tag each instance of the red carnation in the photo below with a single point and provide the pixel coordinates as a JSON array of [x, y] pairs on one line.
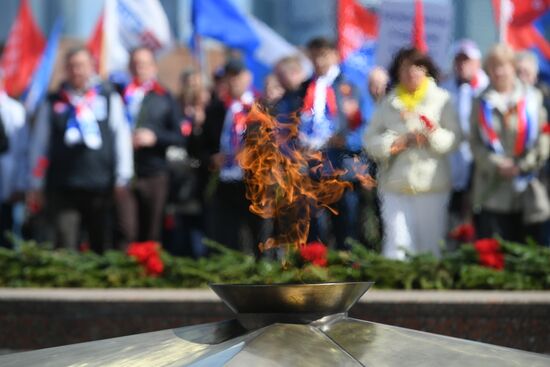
[[315, 253], [147, 254], [465, 233], [141, 251], [154, 266], [492, 260], [489, 253], [486, 245]]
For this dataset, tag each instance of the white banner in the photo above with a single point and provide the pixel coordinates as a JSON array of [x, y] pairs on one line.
[[396, 24], [132, 23]]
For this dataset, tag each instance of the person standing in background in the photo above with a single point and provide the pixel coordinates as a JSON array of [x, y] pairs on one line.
[[13, 165], [273, 91], [154, 120], [509, 149], [329, 122], [410, 137], [184, 232], [466, 83], [378, 81], [527, 68], [80, 152], [222, 138], [291, 76]]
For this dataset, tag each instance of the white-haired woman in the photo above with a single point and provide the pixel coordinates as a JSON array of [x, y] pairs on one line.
[[509, 148]]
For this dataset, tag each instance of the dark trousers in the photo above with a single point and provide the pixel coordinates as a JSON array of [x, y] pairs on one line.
[[508, 226], [6, 223], [346, 224], [70, 210], [185, 236], [140, 209], [231, 217]]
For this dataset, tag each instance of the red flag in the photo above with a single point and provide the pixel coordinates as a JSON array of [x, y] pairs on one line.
[[95, 44], [355, 25], [23, 50], [418, 34], [522, 31]]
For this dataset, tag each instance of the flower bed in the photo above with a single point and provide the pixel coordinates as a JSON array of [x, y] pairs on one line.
[[485, 264]]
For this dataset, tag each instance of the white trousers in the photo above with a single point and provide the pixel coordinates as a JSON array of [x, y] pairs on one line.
[[413, 223]]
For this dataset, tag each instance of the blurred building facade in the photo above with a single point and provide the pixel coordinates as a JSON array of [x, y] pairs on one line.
[[473, 18]]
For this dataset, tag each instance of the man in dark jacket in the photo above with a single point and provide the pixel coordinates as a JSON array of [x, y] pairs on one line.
[[80, 152], [154, 120], [221, 139], [331, 122]]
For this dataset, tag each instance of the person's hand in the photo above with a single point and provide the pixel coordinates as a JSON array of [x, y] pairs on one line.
[[144, 138], [378, 83], [399, 144], [507, 168], [216, 161], [420, 140], [408, 140], [199, 116], [350, 107]]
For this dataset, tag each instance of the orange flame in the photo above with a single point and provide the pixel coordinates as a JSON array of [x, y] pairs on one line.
[[284, 182]]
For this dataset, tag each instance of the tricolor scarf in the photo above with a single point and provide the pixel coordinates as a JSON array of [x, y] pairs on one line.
[[82, 125], [133, 97], [320, 111], [526, 135], [231, 139], [527, 128]]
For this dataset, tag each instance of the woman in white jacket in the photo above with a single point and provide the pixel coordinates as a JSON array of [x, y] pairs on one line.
[[410, 136]]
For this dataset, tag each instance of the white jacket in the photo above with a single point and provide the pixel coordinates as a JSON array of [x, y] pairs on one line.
[[414, 170], [13, 164]]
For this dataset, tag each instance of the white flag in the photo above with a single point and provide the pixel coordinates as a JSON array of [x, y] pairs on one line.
[[128, 24]]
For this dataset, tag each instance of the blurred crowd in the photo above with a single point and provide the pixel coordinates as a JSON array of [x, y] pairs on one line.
[[458, 156]]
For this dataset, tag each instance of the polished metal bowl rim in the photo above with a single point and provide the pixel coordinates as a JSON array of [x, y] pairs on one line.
[[230, 285]]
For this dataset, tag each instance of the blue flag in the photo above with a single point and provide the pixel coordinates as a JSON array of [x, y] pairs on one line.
[[36, 91], [262, 47], [219, 19], [542, 24]]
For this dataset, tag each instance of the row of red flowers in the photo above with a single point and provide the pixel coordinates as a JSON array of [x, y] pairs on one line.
[[148, 254], [488, 250]]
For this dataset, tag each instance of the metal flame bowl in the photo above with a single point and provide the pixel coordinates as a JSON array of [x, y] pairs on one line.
[[263, 304]]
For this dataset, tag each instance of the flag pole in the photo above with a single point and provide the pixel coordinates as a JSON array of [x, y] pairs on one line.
[[504, 17], [200, 58]]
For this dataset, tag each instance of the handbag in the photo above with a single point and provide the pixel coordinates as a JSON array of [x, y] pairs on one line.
[[535, 203]]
